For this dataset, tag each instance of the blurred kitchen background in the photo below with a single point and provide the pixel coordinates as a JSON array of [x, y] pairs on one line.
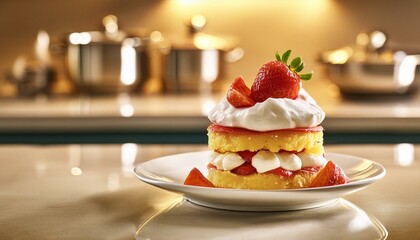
[[35, 38], [258, 27]]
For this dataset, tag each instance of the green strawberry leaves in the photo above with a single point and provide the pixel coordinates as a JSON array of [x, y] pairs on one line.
[[296, 65], [305, 76]]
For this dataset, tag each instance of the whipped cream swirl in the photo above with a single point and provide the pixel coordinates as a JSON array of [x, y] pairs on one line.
[[265, 161], [272, 114]]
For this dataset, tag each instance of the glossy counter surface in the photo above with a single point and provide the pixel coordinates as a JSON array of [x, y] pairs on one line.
[[182, 119], [90, 192], [177, 113]]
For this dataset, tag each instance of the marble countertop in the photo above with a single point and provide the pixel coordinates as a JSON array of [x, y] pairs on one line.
[[89, 192], [174, 113]]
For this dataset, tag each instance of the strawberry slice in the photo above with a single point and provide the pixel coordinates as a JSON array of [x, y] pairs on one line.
[[239, 94], [196, 178], [330, 175]]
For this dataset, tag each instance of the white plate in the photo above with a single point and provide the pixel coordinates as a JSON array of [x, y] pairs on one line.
[[169, 173]]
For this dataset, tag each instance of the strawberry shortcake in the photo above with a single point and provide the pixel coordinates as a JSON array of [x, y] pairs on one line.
[[269, 136]]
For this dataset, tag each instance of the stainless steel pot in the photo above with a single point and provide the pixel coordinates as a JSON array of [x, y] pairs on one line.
[[197, 62], [369, 68], [109, 61], [376, 78], [193, 70]]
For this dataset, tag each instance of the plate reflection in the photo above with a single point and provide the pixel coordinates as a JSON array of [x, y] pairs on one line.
[[185, 220]]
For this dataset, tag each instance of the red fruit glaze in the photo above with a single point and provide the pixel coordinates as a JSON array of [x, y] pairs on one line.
[[247, 155], [243, 131], [281, 171], [275, 80], [244, 169], [239, 94]]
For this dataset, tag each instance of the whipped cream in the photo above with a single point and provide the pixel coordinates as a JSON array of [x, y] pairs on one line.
[[272, 114], [226, 161], [265, 161]]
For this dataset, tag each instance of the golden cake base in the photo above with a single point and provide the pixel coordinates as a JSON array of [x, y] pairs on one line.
[[226, 179]]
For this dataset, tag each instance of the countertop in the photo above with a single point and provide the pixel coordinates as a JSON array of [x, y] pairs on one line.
[[124, 114], [89, 192]]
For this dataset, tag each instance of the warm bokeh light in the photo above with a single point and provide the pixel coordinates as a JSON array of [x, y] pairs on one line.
[[82, 38], [125, 106], [128, 154], [362, 39], [185, 2], [235, 54], [377, 39], [111, 24], [405, 69], [42, 48], [359, 222], [19, 67], [198, 21], [76, 171], [128, 62], [128, 157], [188, 5], [210, 65], [207, 104], [339, 56], [208, 42], [156, 36], [75, 158], [404, 154]]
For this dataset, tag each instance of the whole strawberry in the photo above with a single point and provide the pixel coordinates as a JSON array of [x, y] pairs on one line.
[[277, 79]]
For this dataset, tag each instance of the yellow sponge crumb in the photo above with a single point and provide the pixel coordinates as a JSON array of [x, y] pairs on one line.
[[310, 142], [226, 179]]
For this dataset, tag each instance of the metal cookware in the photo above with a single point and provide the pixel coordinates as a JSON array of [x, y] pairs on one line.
[[197, 62], [34, 77], [108, 62], [369, 67]]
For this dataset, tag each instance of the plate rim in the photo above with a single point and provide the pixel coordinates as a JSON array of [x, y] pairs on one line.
[[257, 199], [172, 184]]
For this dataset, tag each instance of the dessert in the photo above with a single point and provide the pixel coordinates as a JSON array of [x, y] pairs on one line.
[[269, 136]]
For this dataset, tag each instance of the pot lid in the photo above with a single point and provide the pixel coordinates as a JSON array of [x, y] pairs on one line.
[[111, 34], [195, 39], [369, 47]]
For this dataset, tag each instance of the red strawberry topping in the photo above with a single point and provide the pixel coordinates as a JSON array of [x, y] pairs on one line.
[[275, 80], [330, 175], [196, 178], [247, 155], [244, 169], [239, 94]]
